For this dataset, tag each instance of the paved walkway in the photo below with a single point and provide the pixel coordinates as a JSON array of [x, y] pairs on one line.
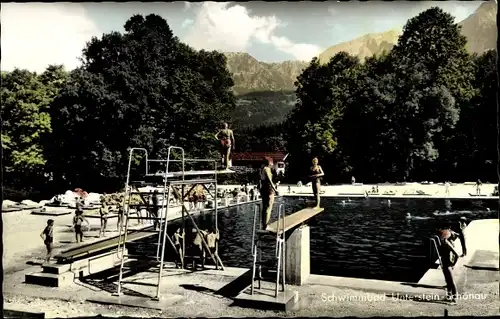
[[458, 191]]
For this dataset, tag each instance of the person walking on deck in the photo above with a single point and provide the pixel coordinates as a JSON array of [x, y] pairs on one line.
[[447, 188], [79, 202], [155, 209], [198, 249], [449, 258], [212, 239], [176, 238], [48, 238], [316, 174], [252, 194], [478, 187], [267, 191], [78, 220], [226, 138], [103, 211], [462, 224], [121, 213]]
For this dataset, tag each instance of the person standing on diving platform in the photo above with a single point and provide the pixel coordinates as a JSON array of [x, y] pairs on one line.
[[315, 175], [267, 191], [226, 138]]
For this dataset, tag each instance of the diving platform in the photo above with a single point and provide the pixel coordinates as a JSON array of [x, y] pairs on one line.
[[192, 173], [177, 178], [295, 219]]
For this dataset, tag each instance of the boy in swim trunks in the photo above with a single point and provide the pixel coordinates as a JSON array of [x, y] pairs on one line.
[[48, 238], [77, 224]]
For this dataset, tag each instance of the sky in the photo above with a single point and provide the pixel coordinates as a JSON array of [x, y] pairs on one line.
[[35, 35]]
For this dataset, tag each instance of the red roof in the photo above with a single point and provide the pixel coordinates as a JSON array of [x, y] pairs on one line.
[[258, 156]]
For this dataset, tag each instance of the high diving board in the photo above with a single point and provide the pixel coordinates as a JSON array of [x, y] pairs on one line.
[[295, 219], [192, 173]]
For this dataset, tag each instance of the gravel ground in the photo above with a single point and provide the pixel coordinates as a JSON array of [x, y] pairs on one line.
[[70, 301], [22, 242], [312, 304]]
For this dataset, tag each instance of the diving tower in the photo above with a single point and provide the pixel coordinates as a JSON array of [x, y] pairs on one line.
[[168, 180]]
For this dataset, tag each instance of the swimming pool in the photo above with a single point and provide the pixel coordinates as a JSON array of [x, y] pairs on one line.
[[365, 238]]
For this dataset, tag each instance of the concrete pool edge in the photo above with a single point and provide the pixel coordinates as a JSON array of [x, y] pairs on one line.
[[480, 234], [362, 284], [395, 196]]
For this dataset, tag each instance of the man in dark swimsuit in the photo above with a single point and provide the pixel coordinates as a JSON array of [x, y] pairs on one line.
[[48, 238], [267, 191], [226, 138], [449, 258], [77, 224], [176, 238], [212, 239], [462, 224], [478, 187], [79, 204], [155, 209], [104, 210], [316, 174], [198, 248], [121, 213]]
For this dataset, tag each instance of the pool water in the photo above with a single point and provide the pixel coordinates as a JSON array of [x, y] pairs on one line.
[[365, 238]]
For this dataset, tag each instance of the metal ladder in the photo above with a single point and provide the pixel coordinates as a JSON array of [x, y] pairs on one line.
[[162, 218], [258, 236], [163, 214]]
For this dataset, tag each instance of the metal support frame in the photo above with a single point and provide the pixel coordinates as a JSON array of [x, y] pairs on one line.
[[257, 238], [169, 179]]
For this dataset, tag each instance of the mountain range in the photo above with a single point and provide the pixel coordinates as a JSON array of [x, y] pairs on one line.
[[251, 75]]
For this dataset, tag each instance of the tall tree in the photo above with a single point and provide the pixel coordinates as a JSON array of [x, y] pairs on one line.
[[26, 98], [143, 88], [365, 137], [322, 93], [474, 143], [421, 114], [433, 63]]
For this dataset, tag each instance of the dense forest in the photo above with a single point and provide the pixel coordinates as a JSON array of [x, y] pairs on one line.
[[426, 110]]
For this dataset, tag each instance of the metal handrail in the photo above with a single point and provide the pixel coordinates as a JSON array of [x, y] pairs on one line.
[[185, 160], [254, 247], [131, 152], [178, 160], [255, 211], [279, 249], [434, 241], [122, 257], [160, 273], [163, 217], [284, 246]]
